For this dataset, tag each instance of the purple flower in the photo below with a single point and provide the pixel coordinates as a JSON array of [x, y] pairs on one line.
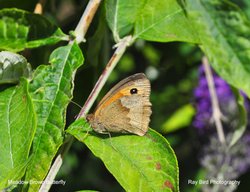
[[231, 162], [217, 158], [226, 99], [225, 96]]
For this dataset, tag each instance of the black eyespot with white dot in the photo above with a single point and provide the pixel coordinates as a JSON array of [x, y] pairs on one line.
[[133, 91]]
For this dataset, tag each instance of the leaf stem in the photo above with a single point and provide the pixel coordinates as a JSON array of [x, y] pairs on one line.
[[121, 47], [216, 115], [86, 19]]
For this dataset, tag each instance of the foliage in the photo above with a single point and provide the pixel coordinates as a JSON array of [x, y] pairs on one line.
[[138, 162], [38, 120]]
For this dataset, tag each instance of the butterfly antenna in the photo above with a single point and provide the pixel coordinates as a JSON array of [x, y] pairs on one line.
[[76, 104]]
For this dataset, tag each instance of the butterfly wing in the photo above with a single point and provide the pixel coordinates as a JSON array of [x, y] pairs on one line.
[[139, 114], [125, 108]]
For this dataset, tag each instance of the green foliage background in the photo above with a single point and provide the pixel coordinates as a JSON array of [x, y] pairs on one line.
[[172, 68]]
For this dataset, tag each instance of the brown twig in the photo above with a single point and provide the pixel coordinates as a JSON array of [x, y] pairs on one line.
[[121, 47], [80, 32], [217, 115], [86, 19], [50, 177]]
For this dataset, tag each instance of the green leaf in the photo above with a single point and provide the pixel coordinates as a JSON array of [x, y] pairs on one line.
[[181, 117], [121, 15], [242, 119], [12, 67], [158, 20], [245, 6], [224, 32], [20, 29], [51, 91], [18, 125], [145, 163]]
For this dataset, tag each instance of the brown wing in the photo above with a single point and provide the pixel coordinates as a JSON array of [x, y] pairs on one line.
[[140, 109], [120, 85], [113, 118], [125, 108]]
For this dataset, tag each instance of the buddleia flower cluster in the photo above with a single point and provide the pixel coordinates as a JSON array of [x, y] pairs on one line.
[[220, 162]]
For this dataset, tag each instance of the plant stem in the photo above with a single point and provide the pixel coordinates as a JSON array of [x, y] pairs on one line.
[[217, 115], [121, 47], [86, 19], [51, 175], [80, 32]]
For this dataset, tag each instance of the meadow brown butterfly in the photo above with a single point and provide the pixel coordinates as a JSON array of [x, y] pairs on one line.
[[125, 108]]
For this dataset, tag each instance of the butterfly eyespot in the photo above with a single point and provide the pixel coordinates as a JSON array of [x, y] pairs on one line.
[[133, 91]]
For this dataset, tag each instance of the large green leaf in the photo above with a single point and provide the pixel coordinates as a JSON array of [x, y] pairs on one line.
[[18, 125], [20, 29], [122, 15], [158, 20], [12, 67], [224, 33], [145, 163], [51, 91]]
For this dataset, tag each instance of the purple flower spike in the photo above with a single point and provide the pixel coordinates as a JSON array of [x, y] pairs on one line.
[[203, 101], [236, 160]]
